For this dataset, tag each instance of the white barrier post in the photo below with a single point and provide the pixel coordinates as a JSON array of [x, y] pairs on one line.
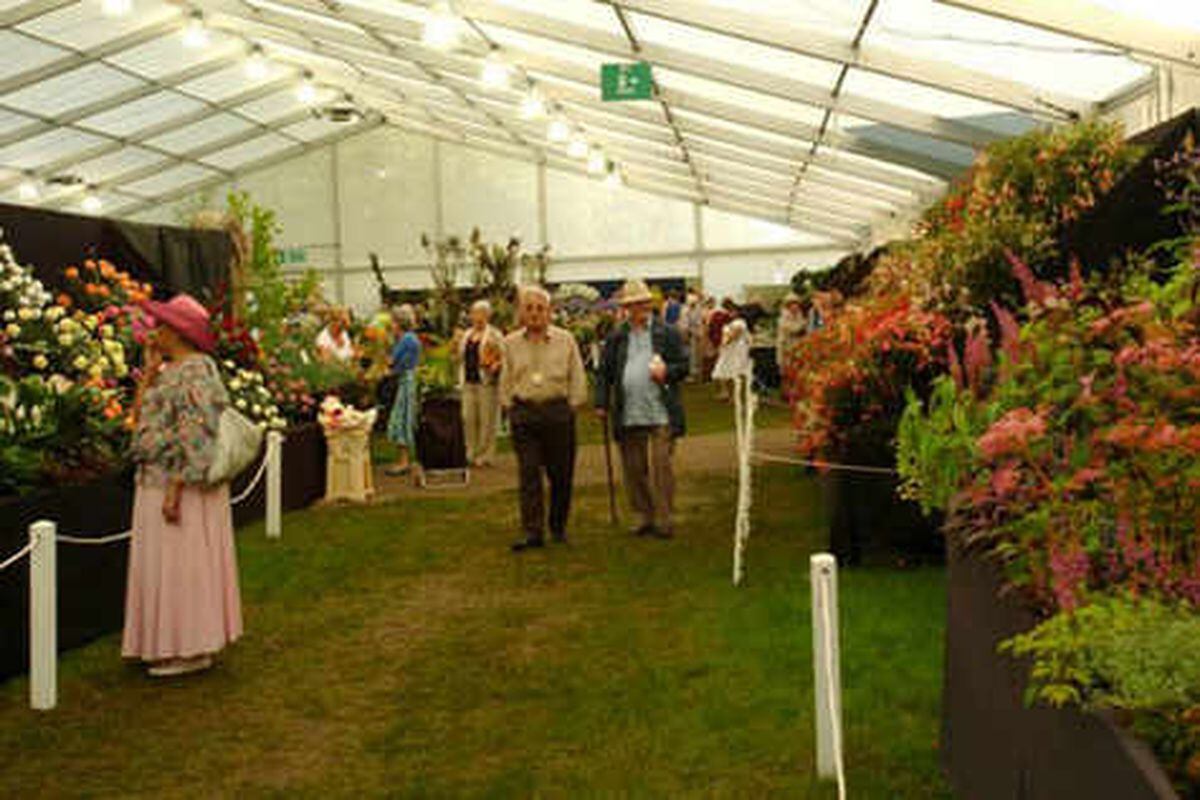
[[826, 668], [43, 616], [274, 484]]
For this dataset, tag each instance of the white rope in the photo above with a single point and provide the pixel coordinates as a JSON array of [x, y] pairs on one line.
[[804, 462], [116, 537], [839, 764], [745, 402], [17, 556], [262, 467]]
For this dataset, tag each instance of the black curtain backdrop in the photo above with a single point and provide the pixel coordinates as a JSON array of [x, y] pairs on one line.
[[173, 259], [1130, 218]]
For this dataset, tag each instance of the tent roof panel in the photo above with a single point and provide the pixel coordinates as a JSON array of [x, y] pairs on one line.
[[281, 104], [165, 55], [144, 113], [22, 54], [1038, 58], [743, 98], [198, 134], [46, 148], [840, 18], [81, 26], [253, 150], [226, 83], [168, 180], [117, 163], [74, 89]]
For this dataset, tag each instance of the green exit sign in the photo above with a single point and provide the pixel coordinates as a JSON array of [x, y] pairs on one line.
[[626, 81]]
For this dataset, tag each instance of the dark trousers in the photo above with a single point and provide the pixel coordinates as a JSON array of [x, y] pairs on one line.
[[543, 435]]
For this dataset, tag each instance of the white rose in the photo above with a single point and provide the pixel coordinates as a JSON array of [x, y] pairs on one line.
[[235, 384], [107, 331], [102, 363], [13, 330], [96, 371], [230, 365], [241, 404], [89, 323], [256, 409], [10, 315], [66, 340], [80, 363], [40, 362], [54, 313], [25, 314]]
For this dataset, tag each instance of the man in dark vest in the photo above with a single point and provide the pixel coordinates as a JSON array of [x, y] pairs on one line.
[[637, 389]]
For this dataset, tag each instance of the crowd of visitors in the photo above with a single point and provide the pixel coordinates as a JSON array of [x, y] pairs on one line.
[[183, 606]]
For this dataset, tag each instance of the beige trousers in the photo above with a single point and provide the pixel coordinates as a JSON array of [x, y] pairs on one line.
[[646, 455], [481, 415]]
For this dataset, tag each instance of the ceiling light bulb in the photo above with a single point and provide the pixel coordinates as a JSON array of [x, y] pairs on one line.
[[28, 190], [306, 92], [442, 29], [256, 65], [116, 8], [495, 72], [195, 35], [532, 105], [558, 130], [91, 203], [578, 148], [596, 161]]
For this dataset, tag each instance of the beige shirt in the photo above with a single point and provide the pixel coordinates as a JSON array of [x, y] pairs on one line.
[[540, 369]]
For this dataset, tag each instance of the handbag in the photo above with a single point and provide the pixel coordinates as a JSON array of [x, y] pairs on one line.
[[238, 443]]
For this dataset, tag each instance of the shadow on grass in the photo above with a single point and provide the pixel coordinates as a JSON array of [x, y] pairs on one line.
[[401, 650]]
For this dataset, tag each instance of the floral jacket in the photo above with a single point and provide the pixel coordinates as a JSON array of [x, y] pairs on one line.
[[176, 433]]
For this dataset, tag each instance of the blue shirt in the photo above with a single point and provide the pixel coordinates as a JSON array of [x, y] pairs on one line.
[[672, 312], [644, 404], [406, 353]]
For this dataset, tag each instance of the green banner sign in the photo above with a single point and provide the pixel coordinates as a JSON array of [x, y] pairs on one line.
[[626, 81]]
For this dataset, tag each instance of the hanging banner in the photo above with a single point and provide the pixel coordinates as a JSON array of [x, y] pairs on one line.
[[626, 81]]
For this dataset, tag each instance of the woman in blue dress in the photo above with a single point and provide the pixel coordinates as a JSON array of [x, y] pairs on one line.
[[402, 424]]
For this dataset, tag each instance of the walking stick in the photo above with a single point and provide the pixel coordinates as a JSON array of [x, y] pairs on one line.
[[612, 487]]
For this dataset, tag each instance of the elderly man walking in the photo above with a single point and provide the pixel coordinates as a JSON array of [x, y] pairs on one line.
[[638, 389], [541, 384]]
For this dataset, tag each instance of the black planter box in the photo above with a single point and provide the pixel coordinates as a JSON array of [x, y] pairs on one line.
[[996, 748], [91, 579], [441, 443], [870, 524]]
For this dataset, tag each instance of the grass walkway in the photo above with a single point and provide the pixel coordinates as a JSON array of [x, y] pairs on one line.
[[401, 650]]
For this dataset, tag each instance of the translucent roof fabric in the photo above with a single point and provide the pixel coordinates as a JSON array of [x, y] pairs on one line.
[[826, 115]]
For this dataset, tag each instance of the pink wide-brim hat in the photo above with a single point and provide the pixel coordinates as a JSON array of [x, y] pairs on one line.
[[184, 314]]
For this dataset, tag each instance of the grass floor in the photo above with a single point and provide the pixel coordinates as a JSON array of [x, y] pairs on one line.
[[705, 414], [401, 650]]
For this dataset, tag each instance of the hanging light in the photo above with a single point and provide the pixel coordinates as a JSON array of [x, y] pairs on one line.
[[614, 177], [442, 28], [495, 72], [559, 130], [91, 203], [306, 92], [116, 8], [195, 35], [597, 163], [532, 104], [256, 64], [578, 146], [28, 190]]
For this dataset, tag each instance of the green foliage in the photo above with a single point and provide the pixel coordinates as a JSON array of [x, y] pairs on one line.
[[438, 374]]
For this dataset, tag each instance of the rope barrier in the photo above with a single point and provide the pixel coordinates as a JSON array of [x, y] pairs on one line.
[[830, 465], [262, 468], [839, 764], [116, 537], [17, 556]]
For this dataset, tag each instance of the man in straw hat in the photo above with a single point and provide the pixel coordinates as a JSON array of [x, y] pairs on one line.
[[542, 382], [637, 388]]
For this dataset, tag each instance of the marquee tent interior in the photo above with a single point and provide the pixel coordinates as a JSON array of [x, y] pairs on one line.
[[779, 133]]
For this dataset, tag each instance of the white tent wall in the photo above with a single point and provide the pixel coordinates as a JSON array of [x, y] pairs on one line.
[[1174, 90], [379, 191]]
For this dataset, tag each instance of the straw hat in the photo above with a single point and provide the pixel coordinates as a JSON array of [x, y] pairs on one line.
[[792, 297], [635, 291], [184, 314]]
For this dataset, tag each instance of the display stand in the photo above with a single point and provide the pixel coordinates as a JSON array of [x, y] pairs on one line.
[[348, 474]]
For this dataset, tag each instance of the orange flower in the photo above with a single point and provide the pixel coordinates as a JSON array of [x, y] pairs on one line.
[[89, 264], [103, 291], [107, 269], [64, 300], [72, 273]]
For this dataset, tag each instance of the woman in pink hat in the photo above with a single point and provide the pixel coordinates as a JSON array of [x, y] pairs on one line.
[[182, 604]]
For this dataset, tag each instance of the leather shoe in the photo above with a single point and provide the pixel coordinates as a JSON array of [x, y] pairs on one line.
[[521, 545]]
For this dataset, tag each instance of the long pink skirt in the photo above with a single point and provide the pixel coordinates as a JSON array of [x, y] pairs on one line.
[[181, 599]]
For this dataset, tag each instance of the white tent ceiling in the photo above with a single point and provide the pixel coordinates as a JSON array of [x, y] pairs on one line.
[[831, 116]]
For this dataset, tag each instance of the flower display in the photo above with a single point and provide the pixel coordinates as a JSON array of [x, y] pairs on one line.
[[335, 416], [249, 394]]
